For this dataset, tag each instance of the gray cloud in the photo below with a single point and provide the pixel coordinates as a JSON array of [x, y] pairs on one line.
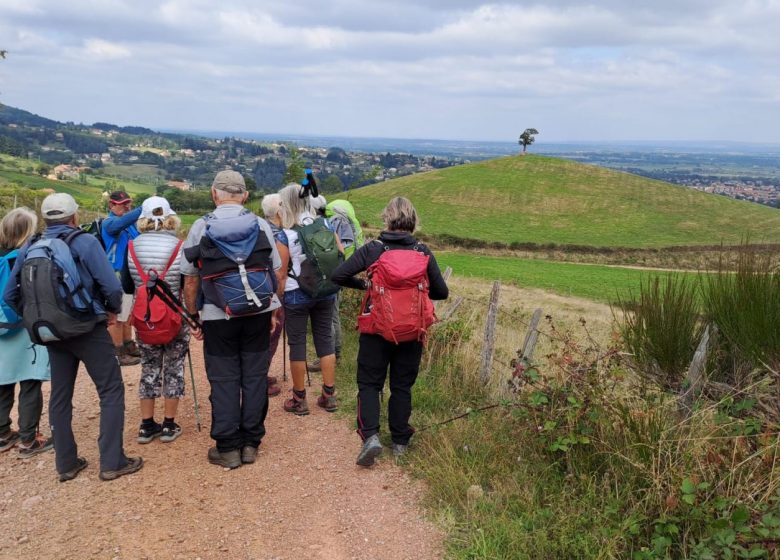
[[684, 69]]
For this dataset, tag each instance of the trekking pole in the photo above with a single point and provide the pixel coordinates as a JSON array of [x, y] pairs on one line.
[[194, 391], [284, 354]]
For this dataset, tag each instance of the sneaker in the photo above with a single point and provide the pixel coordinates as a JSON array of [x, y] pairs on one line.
[[328, 402], [81, 464], [248, 454], [126, 359], [8, 440], [134, 464], [227, 459], [39, 444], [372, 448], [274, 390], [170, 432], [147, 433], [131, 348], [399, 449], [297, 406], [315, 365]]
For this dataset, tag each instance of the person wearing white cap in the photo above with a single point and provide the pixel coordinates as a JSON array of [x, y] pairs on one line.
[[95, 348], [162, 366]]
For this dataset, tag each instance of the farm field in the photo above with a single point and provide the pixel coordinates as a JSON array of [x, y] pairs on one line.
[[594, 282], [554, 201]]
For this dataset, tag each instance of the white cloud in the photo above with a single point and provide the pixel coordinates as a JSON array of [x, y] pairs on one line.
[[100, 50]]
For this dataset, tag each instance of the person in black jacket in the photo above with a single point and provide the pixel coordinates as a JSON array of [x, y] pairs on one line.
[[376, 354]]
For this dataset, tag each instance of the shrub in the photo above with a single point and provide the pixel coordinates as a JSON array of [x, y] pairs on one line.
[[661, 327]]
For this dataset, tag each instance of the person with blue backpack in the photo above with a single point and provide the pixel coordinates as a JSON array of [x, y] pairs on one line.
[[230, 269], [67, 294], [23, 363], [117, 230]]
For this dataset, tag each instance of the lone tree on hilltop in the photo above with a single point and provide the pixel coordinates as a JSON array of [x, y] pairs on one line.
[[527, 138]]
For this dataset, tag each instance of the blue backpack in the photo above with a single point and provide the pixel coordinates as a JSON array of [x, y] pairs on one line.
[[55, 304], [10, 322], [235, 265]]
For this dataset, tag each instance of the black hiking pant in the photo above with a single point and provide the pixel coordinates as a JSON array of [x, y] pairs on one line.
[[237, 362], [96, 350], [375, 355], [30, 408]]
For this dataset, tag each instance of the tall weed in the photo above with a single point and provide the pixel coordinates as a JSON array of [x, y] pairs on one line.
[[661, 327]]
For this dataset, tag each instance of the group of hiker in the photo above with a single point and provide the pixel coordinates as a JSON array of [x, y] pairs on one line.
[[238, 282]]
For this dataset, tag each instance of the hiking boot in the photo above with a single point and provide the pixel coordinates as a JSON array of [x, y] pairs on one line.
[[296, 405], [146, 433], [273, 390], [39, 444], [372, 448], [170, 432], [8, 440], [399, 449], [328, 402], [131, 348], [227, 459], [81, 464], [126, 359], [134, 464], [315, 365], [248, 454]]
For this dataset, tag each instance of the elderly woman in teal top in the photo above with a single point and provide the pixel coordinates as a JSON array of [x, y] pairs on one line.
[[22, 361]]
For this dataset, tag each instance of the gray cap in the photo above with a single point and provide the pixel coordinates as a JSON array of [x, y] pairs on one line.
[[230, 182], [58, 205]]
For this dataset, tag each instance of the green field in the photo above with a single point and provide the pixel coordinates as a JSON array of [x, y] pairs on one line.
[[548, 200], [598, 283]]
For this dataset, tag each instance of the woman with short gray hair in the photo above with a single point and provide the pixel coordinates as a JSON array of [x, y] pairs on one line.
[[376, 354]]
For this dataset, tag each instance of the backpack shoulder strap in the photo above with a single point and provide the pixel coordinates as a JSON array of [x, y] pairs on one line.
[[138, 268], [68, 239], [171, 260]]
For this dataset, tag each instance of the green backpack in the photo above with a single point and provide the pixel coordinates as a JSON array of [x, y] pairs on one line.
[[319, 245]]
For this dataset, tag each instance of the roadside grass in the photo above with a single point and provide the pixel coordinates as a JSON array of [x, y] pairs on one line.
[[581, 460], [548, 200]]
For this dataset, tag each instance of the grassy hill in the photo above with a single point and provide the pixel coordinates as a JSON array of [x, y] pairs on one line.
[[548, 200]]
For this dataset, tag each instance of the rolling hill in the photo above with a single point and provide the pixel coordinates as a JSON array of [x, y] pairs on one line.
[[547, 200]]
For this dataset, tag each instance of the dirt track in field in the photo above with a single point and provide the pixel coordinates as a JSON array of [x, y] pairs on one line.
[[304, 498]]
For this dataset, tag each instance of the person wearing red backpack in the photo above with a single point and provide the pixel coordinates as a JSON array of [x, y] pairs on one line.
[[163, 337], [396, 314]]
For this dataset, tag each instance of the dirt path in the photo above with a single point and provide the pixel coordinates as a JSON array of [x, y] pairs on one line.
[[303, 499]]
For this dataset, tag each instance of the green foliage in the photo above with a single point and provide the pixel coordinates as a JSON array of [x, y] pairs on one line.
[[295, 168], [661, 327], [547, 200], [527, 138], [746, 308]]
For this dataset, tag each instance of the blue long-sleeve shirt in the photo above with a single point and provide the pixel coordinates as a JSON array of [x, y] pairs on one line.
[[117, 232], [97, 275]]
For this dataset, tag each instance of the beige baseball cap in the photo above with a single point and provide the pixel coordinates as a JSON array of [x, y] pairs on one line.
[[58, 205], [229, 181]]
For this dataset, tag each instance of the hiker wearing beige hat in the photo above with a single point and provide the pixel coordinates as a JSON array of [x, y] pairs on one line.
[[230, 266]]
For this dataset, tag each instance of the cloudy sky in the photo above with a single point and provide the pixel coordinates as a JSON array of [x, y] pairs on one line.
[[451, 69]]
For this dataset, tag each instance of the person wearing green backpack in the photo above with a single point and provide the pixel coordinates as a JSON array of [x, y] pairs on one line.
[[23, 362], [310, 252]]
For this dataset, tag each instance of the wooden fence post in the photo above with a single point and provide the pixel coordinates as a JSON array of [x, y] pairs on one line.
[[450, 311], [531, 337], [488, 343], [446, 275], [695, 377]]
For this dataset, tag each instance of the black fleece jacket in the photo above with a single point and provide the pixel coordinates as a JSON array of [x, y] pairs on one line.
[[369, 253]]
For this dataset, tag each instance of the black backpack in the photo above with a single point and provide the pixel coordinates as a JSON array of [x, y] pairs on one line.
[[55, 304], [95, 229]]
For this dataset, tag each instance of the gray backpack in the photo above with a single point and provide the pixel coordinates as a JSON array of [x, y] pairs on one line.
[[55, 305]]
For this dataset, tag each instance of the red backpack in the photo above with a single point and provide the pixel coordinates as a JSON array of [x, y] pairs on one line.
[[155, 323], [400, 309]]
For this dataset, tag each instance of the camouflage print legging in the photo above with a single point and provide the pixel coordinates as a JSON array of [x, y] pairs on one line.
[[162, 368]]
